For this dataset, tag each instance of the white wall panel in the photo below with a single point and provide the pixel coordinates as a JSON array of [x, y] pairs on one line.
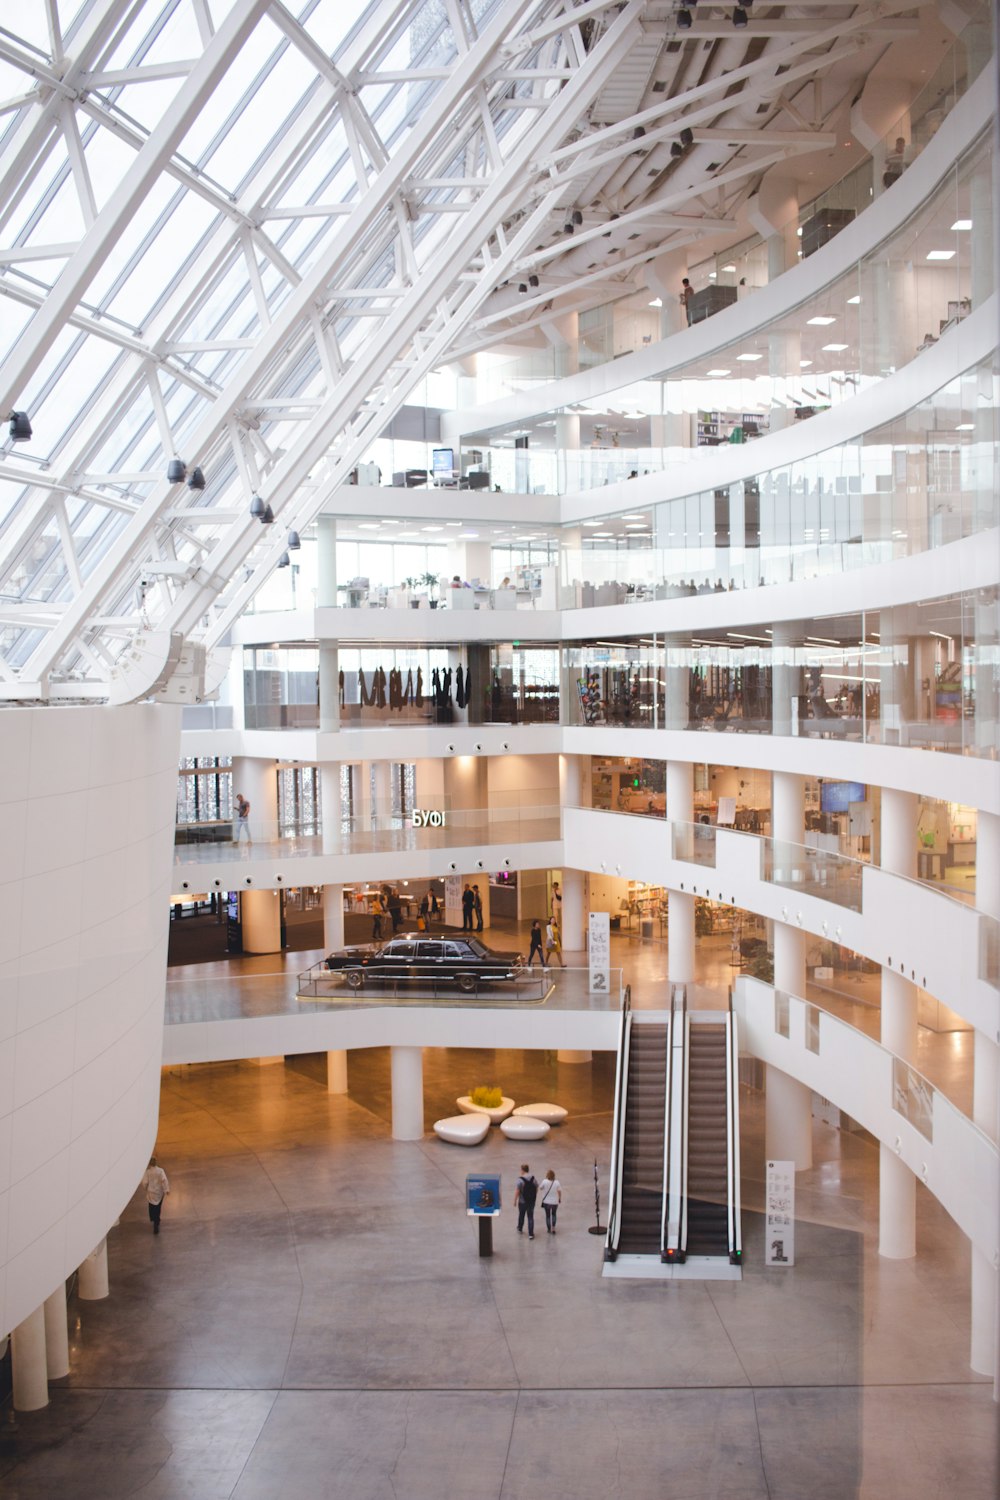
[[88, 803]]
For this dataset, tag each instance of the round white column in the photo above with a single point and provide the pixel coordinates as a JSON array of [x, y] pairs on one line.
[[260, 921], [31, 1384], [788, 806], [680, 791], [574, 914], [333, 917], [897, 1208], [784, 679], [258, 782], [677, 685], [680, 937], [329, 688], [984, 1355], [988, 863], [331, 806], [92, 1282], [326, 562], [407, 1067], [56, 1334], [787, 1119], [565, 1055], [790, 960], [336, 1072]]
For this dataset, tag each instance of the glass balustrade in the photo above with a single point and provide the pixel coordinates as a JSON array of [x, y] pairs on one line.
[[812, 872]]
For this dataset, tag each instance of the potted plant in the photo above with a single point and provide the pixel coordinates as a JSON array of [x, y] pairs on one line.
[[412, 583], [431, 580], [486, 1100]]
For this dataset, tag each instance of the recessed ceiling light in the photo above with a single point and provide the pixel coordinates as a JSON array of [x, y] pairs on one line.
[[820, 322], [853, 301], [433, 528], [835, 348], [966, 427], [593, 523], [962, 224], [369, 525], [656, 302], [711, 373], [804, 364], [729, 268], [712, 276], [940, 254], [468, 536], [634, 515], [749, 359]]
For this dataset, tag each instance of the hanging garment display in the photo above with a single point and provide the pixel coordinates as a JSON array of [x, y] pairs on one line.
[[362, 689], [340, 686], [460, 687], [419, 700], [408, 690], [379, 685]]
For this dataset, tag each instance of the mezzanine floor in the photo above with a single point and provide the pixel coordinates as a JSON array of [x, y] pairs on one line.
[[313, 1321]]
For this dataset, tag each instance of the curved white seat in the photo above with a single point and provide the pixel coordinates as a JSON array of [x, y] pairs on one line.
[[505, 1108], [552, 1114], [524, 1128], [463, 1130]]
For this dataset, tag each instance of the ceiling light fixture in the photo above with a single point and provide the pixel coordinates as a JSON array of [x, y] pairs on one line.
[[853, 301], [820, 322], [196, 479], [176, 471], [749, 359], [20, 427], [684, 20], [962, 224], [687, 136], [940, 254], [835, 348], [716, 374], [740, 17]]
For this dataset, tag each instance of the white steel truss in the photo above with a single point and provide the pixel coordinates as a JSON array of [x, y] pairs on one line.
[[239, 237]]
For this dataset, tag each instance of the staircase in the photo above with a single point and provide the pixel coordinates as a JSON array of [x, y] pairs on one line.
[[641, 1211], [708, 1153]]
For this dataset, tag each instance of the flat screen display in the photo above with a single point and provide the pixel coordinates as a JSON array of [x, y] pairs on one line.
[[443, 461], [836, 796]]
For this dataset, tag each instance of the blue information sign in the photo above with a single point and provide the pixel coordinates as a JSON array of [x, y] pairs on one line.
[[482, 1196]]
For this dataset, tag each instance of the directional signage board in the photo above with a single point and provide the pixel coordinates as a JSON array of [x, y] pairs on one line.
[[599, 953], [779, 1210]]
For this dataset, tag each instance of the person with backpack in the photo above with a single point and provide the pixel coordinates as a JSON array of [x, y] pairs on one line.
[[524, 1200], [551, 1191]]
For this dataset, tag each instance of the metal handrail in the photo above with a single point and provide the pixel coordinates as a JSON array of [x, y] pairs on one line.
[[617, 1139], [665, 1215], [733, 1205], [682, 1229]]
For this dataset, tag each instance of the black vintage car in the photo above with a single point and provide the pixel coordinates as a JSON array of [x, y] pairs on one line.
[[456, 959]]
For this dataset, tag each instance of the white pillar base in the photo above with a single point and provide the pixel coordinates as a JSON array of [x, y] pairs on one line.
[[407, 1065], [56, 1334], [569, 1056], [787, 1119], [31, 1384], [985, 1355], [92, 1283], [897, 1207], [336, 1072]]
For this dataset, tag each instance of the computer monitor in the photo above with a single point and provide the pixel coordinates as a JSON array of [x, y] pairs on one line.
[[442, 464]]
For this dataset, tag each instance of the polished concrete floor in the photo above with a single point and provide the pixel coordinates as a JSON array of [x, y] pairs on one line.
[[314, 1321]]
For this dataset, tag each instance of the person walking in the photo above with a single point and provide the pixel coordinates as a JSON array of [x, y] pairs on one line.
[[686, 293], [395, 910], [156, 1186], [551, 1196], [468, 907], [524, 1200], [553, 943], [477, 906], [435, 908], [536, 944], [376, 916], [242, 819]]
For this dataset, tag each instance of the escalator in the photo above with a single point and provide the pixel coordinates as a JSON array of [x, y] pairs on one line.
[[642, 1159], [707, 1141], [675, 1152]]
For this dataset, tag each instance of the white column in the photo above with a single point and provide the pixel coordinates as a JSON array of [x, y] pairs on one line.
[[568, 1056], [333, 917], [329, 688], [361, 788], [988, 863], [258, 782], [260, 921], [326, 562], [56, 1334], [31, 1385], [331, 805], [787, 1120], [677, 671], [336, 1072], [788, 806], [680, 904], [92, 1277], [383, 790], [407, 1067], [897, 1184], [574, 913], [784, 679], [790, 959]]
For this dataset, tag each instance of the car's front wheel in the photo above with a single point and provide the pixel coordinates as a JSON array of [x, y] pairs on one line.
[[355, 978], [467, 983]]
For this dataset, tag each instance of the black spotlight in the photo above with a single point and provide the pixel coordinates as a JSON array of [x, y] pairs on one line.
[[176, 471], [577, 217], [532, 281], [676, 149], [268, 515], [196, 479], [568, 227], [294, 541], [638, 132], [257, 508], [20, 427], [687, 136], [283, 560], [739, 16], [522, 286], [684, 20]]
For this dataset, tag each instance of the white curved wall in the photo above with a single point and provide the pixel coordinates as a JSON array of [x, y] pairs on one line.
[[87, 805]]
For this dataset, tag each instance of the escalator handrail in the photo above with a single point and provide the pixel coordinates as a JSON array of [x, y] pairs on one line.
[[733, 1133], [682, 1229], [665, 1216], [618, 1118]]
